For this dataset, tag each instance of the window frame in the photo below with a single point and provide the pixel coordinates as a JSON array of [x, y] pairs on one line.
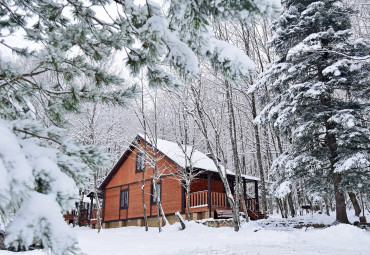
[[139, 155], [152, 193], [125, 205]]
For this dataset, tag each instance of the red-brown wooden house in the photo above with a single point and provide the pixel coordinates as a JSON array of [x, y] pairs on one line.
[[122, 191]]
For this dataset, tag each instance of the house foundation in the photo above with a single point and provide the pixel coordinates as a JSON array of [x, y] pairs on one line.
[[152, 221]]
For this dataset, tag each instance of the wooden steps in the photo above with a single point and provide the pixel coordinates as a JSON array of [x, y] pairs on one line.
[[255, 215], [226, 214]]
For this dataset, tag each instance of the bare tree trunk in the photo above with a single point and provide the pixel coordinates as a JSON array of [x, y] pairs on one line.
[[310, 202], [291, 205], [143, 199], [78, 214], [279, 144], [188, 174], [355, 204], [232, 133], [145, 152], [143, 124], [159, 207], [339, 200], [155, 169], [156, 195], [278, 201], [300, 197], [259, 157], [285, 208], [98, 208], [181, 220], [331, 143], [201, 122], [166, 223], [327, 206], [188, 202], [244, 204]]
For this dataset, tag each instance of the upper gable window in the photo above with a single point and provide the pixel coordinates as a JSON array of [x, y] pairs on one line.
[[140, 162]]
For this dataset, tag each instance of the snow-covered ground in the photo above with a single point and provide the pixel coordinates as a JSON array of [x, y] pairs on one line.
[[261, 237]]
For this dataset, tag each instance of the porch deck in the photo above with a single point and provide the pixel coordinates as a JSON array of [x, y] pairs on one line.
[[94, 214], [85, 218], [199, 202]]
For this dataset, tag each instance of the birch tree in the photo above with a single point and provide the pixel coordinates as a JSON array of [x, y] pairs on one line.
[[185, 130], [208, 127], [143, 122], [88, 134]]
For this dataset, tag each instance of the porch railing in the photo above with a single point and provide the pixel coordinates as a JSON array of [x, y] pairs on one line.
[[218, 199], [94, 213], [251, 204], [198, 199], [84, 216]]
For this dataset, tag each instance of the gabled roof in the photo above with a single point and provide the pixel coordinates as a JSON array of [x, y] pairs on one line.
[[117, 166], [176, 153]]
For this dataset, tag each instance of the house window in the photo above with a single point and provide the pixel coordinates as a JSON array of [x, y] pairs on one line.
[[140, 162], [124, 199], [154, 198]]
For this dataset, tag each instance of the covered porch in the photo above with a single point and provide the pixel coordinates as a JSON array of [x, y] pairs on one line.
[[93, 212], [208, 196]]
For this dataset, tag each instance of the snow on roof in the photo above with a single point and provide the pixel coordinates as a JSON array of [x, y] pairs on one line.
[[86, 199], [199, 160]]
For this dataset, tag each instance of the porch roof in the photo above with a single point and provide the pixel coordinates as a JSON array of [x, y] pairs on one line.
[[90, 194]]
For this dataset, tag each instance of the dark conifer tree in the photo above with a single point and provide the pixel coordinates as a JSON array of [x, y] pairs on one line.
[[317, 94]]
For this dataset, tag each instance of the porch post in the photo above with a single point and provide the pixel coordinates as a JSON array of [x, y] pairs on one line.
[[209, 194], [91, 206], [245, 191], [103, 207], [183, 199], [256, 195]]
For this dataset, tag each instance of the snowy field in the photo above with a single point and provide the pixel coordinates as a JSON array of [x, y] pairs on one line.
[[261, 237]]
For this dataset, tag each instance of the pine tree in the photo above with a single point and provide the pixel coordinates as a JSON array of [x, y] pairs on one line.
[[317, 94], [41, 168]]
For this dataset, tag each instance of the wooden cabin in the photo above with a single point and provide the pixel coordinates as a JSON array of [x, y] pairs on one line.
[[122, 188]]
